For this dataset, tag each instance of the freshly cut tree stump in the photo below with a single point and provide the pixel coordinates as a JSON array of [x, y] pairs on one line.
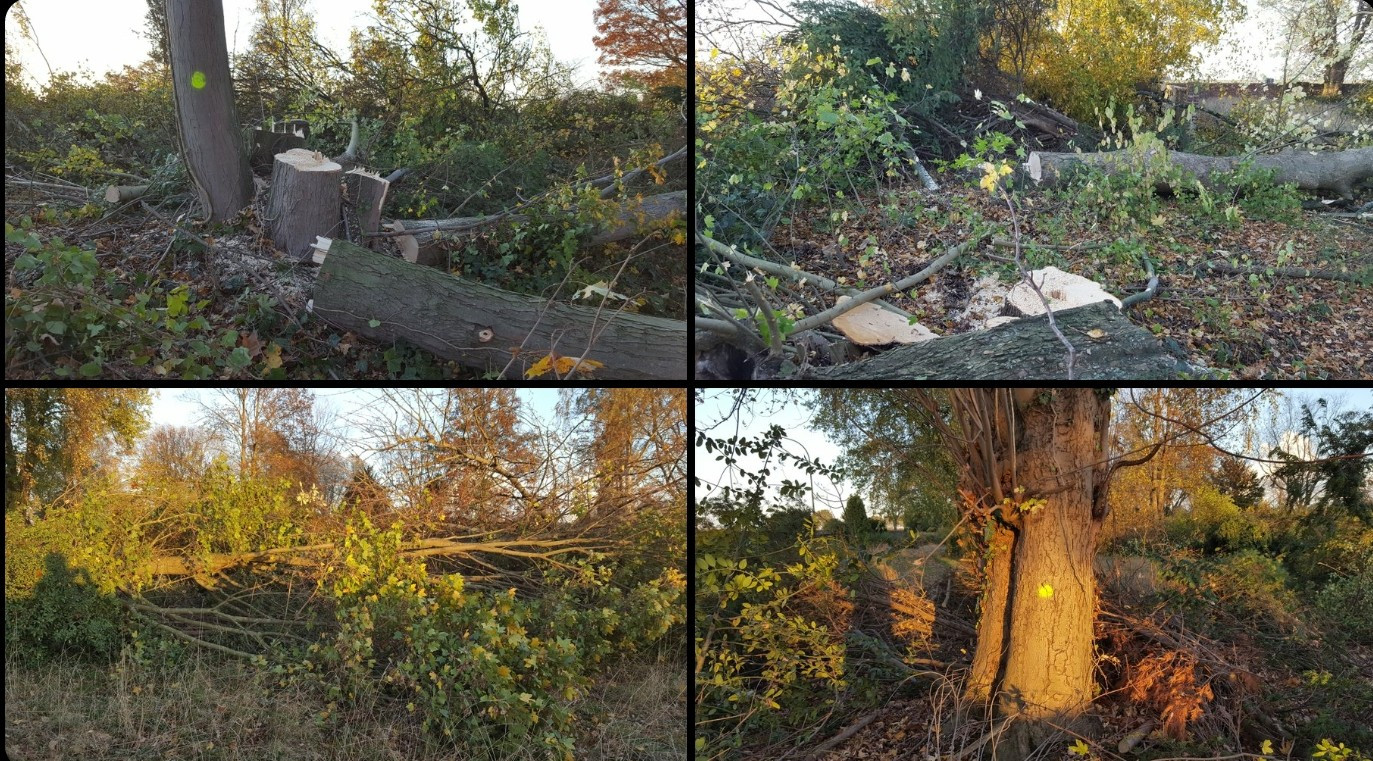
[[1027, 350], [365, 193], [305, 200], [388, 299], [1333, 171]]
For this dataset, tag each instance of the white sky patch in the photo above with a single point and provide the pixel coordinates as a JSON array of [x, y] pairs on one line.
[[802, 439], [107, 35]]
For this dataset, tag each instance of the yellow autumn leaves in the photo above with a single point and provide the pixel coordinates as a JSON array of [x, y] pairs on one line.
[[992, 175]]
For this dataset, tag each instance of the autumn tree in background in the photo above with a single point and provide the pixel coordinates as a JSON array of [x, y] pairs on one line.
[[365, 493], [633, 438], [646, 39], [155, 31], [1333, 35], [1099, 50], [57, 441], [274, 433], [464, 459], [176, 454], [282, 59], [1143, 497], [207, 122]]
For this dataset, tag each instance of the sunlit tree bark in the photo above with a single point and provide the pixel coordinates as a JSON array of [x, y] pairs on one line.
[[1033, 462]]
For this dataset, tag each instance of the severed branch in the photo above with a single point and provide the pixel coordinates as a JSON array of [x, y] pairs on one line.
[[872, 294], [609, 180], [548, 550], [1230, 269], [782, 270], [1149, 290], [839, 739]]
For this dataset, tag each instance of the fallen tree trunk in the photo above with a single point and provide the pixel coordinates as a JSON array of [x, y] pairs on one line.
[[122, 193], [388, 299], [304, 202], [1230, 269], [317, 555], [1026, 349], [627, 221], [1335, 172]]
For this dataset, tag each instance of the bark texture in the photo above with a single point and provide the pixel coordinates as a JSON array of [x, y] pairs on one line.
[[204, 99], [266, 145], [1026, 349], [1034, 465], [484, 327], [304, 202], [1335, 172], [365, 194], [1047, 672]]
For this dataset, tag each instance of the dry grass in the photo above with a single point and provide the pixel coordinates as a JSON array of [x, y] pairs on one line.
[[210, 709]]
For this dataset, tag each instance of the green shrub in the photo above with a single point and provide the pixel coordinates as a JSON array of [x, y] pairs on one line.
[[1216, 523], [770, 643], [1255, 585], [66, 615], [829, 131], [1347, 603], [493, 673]]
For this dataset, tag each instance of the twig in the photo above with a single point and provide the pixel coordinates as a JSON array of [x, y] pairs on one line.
[[838, 739], [775, 342], [1024, 274], [782, 270], [1006, 243], [872, 294]]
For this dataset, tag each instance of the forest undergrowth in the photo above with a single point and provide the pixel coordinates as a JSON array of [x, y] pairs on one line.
[[1221, 656]]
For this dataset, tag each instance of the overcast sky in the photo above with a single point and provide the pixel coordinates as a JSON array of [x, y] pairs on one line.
[[106, 35], [794, 418]]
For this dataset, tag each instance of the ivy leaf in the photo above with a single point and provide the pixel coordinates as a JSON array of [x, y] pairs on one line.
[[1079, 748], [1267, 748]]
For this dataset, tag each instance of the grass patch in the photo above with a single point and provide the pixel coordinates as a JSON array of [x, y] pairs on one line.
[[215, 710]]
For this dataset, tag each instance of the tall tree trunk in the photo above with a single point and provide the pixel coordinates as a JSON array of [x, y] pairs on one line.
[[204, 96], [1339, 57], [1040, 593]]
